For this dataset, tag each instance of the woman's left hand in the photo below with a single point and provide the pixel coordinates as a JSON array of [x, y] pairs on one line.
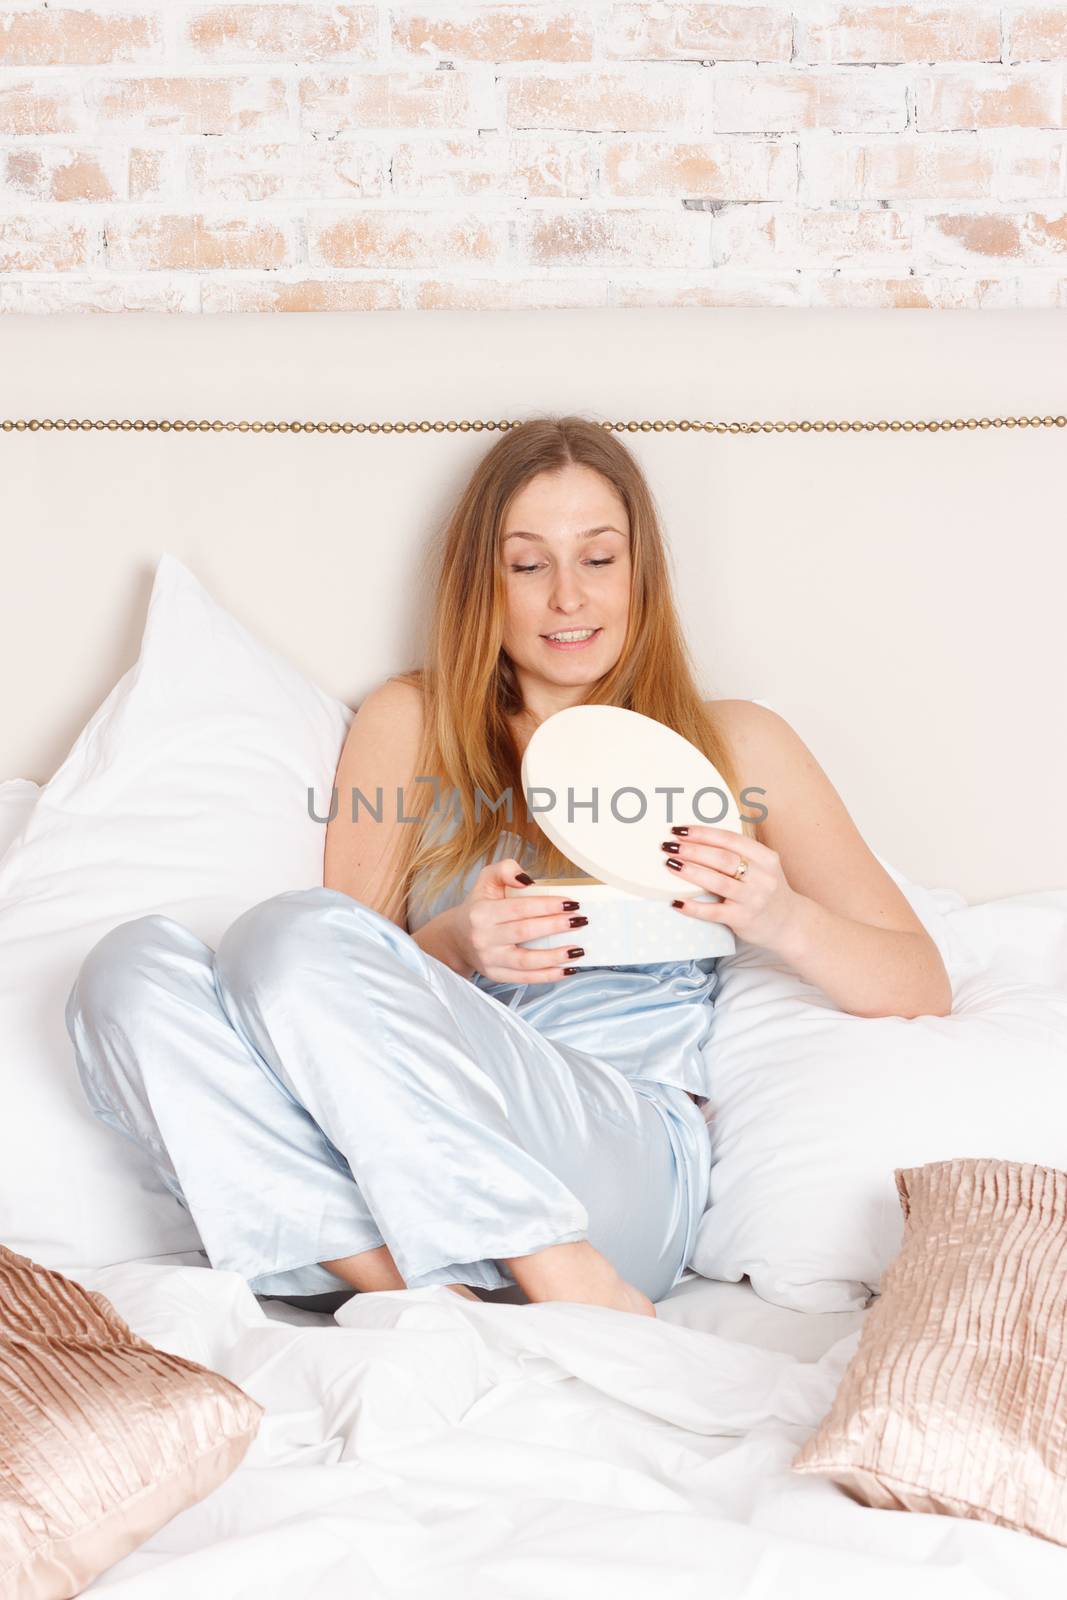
[[759, 907]]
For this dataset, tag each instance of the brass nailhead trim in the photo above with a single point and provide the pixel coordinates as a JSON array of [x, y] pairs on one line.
[[21, 425]]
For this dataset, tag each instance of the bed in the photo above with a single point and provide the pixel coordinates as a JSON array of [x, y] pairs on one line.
[[908, 585]]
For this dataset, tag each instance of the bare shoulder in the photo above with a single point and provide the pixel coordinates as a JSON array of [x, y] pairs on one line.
[[771, 761], [384, 734], [758, 739], [394, 697], [392, 711], [744, 724]]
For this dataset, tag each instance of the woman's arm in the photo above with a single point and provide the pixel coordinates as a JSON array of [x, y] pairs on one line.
[[381, 752], [829, 908]]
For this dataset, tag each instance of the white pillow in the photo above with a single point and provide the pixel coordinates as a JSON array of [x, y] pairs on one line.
[[813, 1108], [17, 799], [186, 794]]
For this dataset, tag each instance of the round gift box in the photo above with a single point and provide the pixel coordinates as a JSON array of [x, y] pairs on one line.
[[627, 929], [599, 757]]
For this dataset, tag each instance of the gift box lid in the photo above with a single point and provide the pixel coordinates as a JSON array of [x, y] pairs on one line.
[[626, 763]]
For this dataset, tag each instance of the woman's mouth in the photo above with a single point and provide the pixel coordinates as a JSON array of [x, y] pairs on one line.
[[571, 638]]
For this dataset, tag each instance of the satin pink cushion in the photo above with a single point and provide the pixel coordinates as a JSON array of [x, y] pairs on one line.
[[103, 1438], [955, 1400]]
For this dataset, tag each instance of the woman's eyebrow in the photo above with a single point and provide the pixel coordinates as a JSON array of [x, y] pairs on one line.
[[587, 533]]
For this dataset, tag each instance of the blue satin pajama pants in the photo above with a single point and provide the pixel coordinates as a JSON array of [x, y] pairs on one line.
[[321, 1085]]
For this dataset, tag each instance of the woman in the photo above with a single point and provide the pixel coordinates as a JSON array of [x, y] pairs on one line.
[[397, 1093]]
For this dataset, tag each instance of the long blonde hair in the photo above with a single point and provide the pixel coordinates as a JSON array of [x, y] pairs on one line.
[[468, 683]]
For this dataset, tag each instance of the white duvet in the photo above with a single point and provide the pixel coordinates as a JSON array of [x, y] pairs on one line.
[[423, 1445]]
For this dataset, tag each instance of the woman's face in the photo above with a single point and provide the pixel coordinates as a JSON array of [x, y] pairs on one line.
[[565, 547]]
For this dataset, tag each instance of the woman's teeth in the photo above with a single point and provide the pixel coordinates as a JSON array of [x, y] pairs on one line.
[[571, 636]]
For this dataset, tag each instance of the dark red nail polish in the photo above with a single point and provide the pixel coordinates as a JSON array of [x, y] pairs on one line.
[[523, 877], [682, 831], [571, 905], [576, 952], [579, 922], [569, 970], [677, 902], [670, 844], [670, 862]]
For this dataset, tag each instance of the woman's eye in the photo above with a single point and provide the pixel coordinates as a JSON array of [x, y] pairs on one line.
[[604, 561]]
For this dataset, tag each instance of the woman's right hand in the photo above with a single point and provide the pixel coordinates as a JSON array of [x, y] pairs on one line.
[[491, 927]]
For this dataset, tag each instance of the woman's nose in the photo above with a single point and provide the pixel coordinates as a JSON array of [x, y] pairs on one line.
[[566, 592]]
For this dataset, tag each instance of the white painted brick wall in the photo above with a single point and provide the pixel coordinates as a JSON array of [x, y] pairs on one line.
[[297, 156]]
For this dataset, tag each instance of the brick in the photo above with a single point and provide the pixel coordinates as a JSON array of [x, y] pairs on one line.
[[294, 171], [41, 105], [712, 288], [495, 33], [868, 292], [298, 33], [625, 238], [507, 294], [45, 296], [765, 236], [202, 105], [1031, 167], [44, 173], [402, 239], [149, 173], [175, 243], [492, 163], [1038, 33], [989, 97], [333, 103], [718, 169], [983, 238], [657, 100], [775, 101], [1045, 291], [303, 294], [43, 242], [698, 32], [59, 37], [900, 33], [913, 167]]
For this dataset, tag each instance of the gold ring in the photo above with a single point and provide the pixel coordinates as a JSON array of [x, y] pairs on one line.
[[742, 867]]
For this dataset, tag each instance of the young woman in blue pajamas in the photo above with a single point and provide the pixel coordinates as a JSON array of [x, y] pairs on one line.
[[370, 1083]]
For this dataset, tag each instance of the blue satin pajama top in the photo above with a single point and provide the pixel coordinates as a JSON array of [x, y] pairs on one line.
[[651, 1022]]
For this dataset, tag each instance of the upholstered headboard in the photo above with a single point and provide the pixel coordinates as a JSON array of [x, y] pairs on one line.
[[896, 593]]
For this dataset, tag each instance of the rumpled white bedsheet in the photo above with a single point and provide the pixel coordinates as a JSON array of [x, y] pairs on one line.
[[427, 1446]]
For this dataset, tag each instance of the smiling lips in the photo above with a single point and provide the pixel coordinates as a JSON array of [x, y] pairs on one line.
[[571, 638]]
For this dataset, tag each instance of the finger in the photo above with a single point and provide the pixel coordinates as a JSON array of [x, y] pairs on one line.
[[700, 910], [519, 929], [531, 960], [723, 883], [498, 875], [727, 839], [710, 855], [516, 959], [530, 905], [529, 975]]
